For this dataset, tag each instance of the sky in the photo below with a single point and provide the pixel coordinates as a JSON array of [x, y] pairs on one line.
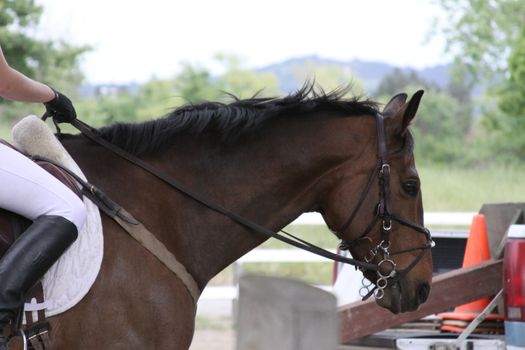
[[134, 40]]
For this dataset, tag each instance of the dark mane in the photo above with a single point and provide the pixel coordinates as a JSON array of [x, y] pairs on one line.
[[228, 122]]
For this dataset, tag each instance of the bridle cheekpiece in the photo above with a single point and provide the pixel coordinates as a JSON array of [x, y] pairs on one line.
[[386, 269]]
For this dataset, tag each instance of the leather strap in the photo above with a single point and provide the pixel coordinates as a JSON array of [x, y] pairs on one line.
[[148, 240], [382, 170], [91, 133], [135, 229], [38, 335]]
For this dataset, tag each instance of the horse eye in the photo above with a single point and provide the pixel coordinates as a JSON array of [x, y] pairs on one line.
[[411, 188]]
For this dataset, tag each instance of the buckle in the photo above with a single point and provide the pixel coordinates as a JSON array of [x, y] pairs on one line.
[[385, 169]]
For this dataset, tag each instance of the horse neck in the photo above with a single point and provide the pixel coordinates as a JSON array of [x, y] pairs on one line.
[[270, 179]]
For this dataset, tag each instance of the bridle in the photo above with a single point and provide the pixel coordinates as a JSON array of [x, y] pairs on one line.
[[386, 267], [382, 170]]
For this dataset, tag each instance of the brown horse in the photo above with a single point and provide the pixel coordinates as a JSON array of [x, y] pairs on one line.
[[268, 160]]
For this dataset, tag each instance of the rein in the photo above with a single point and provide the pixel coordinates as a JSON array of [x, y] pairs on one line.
[[93, 135], [384, 212], [134, 227]]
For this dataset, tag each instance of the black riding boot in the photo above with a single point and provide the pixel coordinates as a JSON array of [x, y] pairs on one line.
[[28, 259]]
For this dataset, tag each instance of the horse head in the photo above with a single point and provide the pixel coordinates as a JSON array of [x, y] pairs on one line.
[[375, 207]]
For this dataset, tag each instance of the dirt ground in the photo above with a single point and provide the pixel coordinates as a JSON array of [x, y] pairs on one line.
[[217, 333], [213, 333], [216, 339], [210, 339]]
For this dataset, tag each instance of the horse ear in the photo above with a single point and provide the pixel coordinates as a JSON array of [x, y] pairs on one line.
[[395, 104], [403, 115]]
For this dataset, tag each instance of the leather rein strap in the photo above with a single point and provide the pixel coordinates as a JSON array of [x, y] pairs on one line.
[[384, 213], [93, 135], [135, 228]]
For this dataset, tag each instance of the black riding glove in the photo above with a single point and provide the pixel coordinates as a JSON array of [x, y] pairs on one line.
[[61, 108]]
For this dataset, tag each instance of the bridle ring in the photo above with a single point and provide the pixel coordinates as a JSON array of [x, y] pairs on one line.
[[382, 282], [390, 274]]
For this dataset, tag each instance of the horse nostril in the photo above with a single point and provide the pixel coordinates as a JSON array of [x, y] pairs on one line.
[[422, 292]]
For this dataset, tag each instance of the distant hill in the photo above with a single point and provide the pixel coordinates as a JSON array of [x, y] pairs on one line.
[[293, 72], [369, 72]]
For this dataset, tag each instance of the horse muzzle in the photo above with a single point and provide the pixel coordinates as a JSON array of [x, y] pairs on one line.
[[402, 297]]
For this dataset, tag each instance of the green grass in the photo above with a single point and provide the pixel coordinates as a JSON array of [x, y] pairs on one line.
[[214, 323], [458, 189], [5, 132]]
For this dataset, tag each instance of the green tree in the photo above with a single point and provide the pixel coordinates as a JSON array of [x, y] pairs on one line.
[[328, 76], [509, 125], [444, 118], [154, 98], [487, 39], [481, 35], [440, 129], [398, 80], [52, 62], [102, 110], [195, 83], [244, 83], [157, 97]]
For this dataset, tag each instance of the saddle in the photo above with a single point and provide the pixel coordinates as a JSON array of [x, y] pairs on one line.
[[12, 226]]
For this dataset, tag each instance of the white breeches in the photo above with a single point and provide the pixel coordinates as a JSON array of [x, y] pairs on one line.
[[30, 191]]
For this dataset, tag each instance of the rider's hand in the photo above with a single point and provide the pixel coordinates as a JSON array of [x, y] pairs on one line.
[[61, 108]]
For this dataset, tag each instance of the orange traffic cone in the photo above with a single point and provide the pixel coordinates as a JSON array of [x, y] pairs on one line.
[[476, 252]]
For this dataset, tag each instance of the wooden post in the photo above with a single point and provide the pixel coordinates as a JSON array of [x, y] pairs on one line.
[[276, 313], [448, 290], [499, 216]]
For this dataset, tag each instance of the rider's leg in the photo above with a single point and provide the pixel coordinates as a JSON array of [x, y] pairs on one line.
[[30, 191], [57, 214], [28, 259]]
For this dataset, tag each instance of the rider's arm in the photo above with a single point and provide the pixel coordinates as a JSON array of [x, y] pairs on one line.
[[16, 86]]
